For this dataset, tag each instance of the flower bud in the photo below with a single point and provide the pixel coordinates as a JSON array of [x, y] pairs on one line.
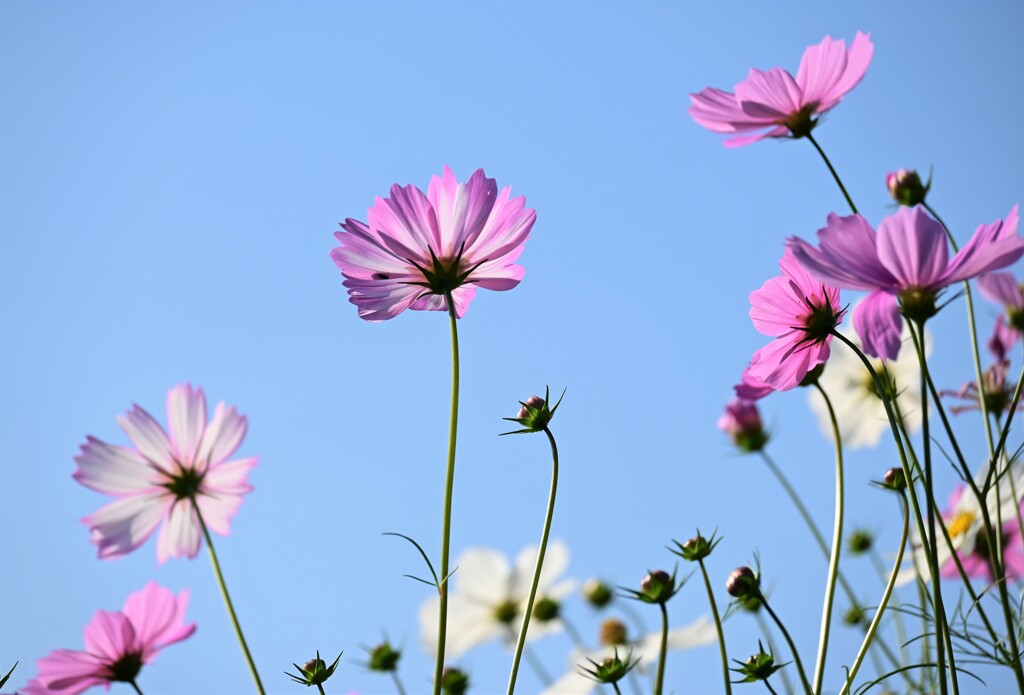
[[313, 672], [454, 681], [759, 667], [613, 633], [384, 658], [610, 670], [535, 414], [742, 582], [657, 587], [697, 548], [854, 616], [860, 542], [906, 188], [597, 593], [895, 480], [741, 421], [534, 402], [546, 609]]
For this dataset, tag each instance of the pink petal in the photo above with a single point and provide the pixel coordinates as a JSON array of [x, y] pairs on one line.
[[879, 324], [1003, 338], [720, 111], [109, 635], [406, 223], [124, 524], [66, 672], [180, 534], [223, 435], [148, 437], [912, 246], [774, 307], [231, 478], [828, 71], [504, 232], [784, 362], [186, 420], [114, 470], [158, 618], [1001, 288], [771, 94], [741, 140], [750, 387], [847, 257], [992, 247], [461, 208]]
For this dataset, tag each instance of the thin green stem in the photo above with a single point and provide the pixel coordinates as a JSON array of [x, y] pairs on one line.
[[901, 630], [663, 651], [320, 687], [227, 598], [839, 181], [769, 686], [885, 599], [718, 627], [787, 686], [789, 641], [135, 686], [942, 638], [398, 683], [837, 545], [617, 691], [442, 618], [540, 563]]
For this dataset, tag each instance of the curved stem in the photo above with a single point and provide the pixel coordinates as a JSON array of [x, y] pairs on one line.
[[789, 641], [718, 627], [885, 599], [834, 174], [442, 589], [837, 545], [227, 598], [540, 563], [769, 686], [617, 691], [663, 652]]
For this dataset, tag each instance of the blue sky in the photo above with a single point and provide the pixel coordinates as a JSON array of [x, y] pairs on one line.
[[170, 179]]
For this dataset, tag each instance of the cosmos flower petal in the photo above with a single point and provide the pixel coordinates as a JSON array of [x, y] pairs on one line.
[[769, 94], [114, 470], [828, 71], [847, 255], [1001, 288], [992, 247], [879, 324], [405, 222], [720, 111], [109, 635], [222, 436], [462, 209], [912, 247], [66, 672], [186, 420], [482, 573], [750, 387], [556, 562], [124, 524], [148, 437], [180, 534], [158, 618]]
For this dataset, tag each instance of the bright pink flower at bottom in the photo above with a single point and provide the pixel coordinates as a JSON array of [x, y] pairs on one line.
[[973, 544], [801, 313], [117, 644]]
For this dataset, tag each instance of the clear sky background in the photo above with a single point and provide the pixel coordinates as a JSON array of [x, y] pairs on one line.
[[170, 179]]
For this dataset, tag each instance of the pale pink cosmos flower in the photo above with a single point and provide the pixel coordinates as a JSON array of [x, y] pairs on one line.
[[780, 105], [117, 644], [976, 546], [800, 312], [903, 266], [414, 248], [162, 478]]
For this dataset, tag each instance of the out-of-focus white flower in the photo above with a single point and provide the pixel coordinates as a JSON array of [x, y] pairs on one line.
[[489, 596], [859, 409], [699, 633]]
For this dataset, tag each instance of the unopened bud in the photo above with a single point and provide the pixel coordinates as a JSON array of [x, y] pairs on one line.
[[895, 480], [597, 593], [613, 633], [906, 188], [742, 582]]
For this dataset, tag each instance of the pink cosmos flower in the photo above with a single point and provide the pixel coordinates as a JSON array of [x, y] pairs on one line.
[[741, 421], [415, 248], [904, 266], [996, 390], [117, 644], [165, 478], [784, 105], [974, 545], [751, 388], [800, 313], [1003, 288]]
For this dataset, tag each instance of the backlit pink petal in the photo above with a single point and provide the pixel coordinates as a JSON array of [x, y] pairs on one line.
[[771, 94], [879, 324], [416, 248], [741, 140], [218, 511], [186, 419], [828, 71], [1001, 288], [720, 111], [180, 534], [222, 436], [230, 478], [148, 437], [784, 362], [1003, 338], [992, 247], [109, 635], [114, 470], [912, 246], [66, 672], [123, 525], [847, 255], [750, 387], [158, 618]]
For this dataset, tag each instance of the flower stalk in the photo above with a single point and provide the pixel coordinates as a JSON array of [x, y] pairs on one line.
[[835, 175]]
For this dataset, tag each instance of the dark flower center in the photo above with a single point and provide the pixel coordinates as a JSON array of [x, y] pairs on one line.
[[185, 485], [126, 668], [802, 122], [506, 612], [820, 322], [918, 304]]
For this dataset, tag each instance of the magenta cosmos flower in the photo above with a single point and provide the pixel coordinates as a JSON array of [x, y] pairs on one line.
[[1003, 288], [163, 478], [117, 644], [780, 105], [415, 248], [800, 312], [741, 421], [904, 266]]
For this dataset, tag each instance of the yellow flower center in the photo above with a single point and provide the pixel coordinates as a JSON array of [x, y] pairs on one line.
[[960, 523]]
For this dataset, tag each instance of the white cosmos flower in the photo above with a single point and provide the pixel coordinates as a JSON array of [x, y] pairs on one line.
[[699, 633], [965, 523], [489, 595], [859, 410]]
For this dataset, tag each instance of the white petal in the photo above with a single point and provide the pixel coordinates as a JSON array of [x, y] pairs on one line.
[[114, 470], [186, 419], [123, 525], [482, 574], [223, 435], [148, 436], [180, 535]]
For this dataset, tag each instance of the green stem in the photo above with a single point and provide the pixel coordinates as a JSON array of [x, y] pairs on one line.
[[663, 652], [787, 686], [537, 666], [769, 686], [442, 619], [901, 630], [398, 683], [885, 599], [320, 687], [718, 627], [135, 686], [789, 641], [942, 638], [227, 598], [617, 691], [837, 545], [834, 174], [540, 563]]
